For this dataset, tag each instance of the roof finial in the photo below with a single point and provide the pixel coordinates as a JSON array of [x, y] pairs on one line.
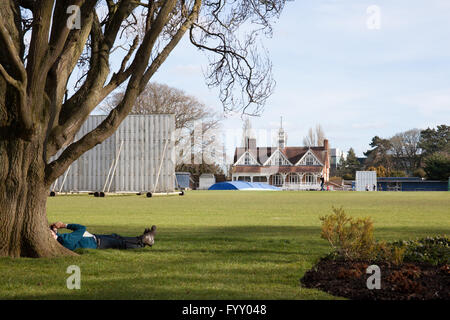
[[281, 122]]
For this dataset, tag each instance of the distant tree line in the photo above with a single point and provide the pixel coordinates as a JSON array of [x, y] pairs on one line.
[[412, 153]]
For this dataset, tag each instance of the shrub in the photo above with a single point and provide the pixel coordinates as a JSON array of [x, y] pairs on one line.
[[398, 255], [337, 180], [381, 171], [389, 253], [419, 172], [432, 250], [351, 238], [397, 173], [348, 176]]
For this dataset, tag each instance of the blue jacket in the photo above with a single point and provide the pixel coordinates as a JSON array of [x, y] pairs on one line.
[[75, 239]]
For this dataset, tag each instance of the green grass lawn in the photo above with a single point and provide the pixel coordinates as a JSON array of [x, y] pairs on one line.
[[213, 244]]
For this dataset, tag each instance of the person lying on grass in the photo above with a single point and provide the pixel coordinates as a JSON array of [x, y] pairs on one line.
[[80, 238]]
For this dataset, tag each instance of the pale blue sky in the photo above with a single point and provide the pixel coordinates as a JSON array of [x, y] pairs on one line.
[[331, 69]]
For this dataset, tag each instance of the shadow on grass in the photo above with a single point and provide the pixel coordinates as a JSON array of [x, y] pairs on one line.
[[229, 262], [267, 236], [221, 233], [121, 290], [204, 284], [259, 239]]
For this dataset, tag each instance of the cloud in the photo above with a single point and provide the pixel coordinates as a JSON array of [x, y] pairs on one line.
[[331, 69], [430, 103]]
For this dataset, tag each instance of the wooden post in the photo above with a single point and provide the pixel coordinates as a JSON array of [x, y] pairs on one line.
[[160, 165], [115, 166], [64, 180], [109, 173]]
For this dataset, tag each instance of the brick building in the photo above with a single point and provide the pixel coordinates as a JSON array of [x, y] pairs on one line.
[[294, 168]]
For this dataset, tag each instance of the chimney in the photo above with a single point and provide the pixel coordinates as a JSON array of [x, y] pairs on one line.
[[327, 161], [251, 143], [325, 144]]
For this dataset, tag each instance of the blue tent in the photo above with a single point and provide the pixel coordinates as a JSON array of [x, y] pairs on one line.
[[242, 185]]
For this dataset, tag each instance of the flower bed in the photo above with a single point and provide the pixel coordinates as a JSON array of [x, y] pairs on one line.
[[416, 269], [408, 281]]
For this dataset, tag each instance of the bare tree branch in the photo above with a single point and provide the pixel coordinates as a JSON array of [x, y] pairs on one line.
[[111, 123], [17, 84], [237, 67], [58, 39], [13, 52]]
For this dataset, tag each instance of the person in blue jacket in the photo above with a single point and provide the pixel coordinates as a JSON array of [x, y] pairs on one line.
[[81, 238]]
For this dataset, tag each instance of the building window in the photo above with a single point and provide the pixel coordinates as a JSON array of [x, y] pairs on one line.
[[309, 160], [280, 161], [260, 179], [247, 159], [294, 178], [309, 179], [277, 180]]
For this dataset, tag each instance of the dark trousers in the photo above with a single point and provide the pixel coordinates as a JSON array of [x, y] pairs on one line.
[[114, 241]]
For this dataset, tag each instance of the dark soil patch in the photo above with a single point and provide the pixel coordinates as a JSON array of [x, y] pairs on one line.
[[409, 281]]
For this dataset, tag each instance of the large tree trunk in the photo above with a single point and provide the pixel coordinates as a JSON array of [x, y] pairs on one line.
[[36, 122], [24, 229]]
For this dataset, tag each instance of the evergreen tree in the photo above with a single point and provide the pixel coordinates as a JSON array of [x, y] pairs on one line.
[[437, 166], [351, 165], [435, 140], [379, 154]]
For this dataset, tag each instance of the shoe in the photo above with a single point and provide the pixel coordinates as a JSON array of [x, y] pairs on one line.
[[148, 238]]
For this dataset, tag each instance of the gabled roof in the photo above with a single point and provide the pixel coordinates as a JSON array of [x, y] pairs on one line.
[[251, 155], [260, 154], [311, 153], [278, 151], [269, 170], [293, 154]]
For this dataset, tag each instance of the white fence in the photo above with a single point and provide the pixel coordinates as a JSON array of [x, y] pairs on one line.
[[303, 186]]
